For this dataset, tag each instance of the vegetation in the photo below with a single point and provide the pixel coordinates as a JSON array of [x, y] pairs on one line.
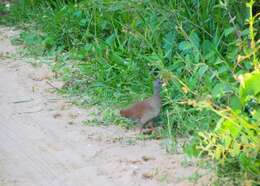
[[111, 50]]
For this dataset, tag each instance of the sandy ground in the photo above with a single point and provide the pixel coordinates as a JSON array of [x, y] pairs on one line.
[[43, 142]]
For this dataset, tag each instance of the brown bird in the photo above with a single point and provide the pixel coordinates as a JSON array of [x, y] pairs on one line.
[[145, 111]]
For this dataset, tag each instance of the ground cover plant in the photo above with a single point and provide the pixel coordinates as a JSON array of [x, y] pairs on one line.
[[111, 50]]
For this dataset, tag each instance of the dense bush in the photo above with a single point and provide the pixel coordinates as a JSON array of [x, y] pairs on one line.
[[236, 138]]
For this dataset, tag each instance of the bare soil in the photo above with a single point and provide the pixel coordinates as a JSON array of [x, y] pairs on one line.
[[43, 141]]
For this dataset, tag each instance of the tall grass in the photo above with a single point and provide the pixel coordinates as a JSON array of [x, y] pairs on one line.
[[116, 48]]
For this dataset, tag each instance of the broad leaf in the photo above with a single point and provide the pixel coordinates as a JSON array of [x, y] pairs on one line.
[[250, 86]]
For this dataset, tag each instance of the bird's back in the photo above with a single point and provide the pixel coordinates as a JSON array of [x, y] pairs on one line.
[[137, 110], [148, 108]]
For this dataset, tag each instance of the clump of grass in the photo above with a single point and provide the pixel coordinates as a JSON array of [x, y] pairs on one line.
[[112, 50]]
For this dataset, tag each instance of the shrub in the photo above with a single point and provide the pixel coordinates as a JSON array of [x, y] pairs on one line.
[[236, 138]]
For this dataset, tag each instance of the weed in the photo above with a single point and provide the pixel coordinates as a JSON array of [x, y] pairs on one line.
[[194, 177]]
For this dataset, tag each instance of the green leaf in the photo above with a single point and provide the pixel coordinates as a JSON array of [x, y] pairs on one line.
[[250, 86], [256, 114], [222, 69], [218, 90], [228, 31], [244, 139], [221, 89], [218, 152], [233, 128], [203, 68], [185, 46], [110, 40], [83, 22], [195, 40], [196, 57], [235, 104], [227, 141], [235, 151], [78, 13], [168, 43], [219, 124]]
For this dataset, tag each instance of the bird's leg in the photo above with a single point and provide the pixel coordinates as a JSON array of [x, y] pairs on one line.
[[141, 129], [151, 125]]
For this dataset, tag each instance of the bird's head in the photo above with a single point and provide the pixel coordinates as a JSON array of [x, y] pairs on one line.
[[157, 85]]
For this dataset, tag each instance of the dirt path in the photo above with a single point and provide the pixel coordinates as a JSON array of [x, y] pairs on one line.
[[43, 143]]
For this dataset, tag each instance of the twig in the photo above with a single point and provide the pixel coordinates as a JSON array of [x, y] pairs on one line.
[[23, 101], [49, 83], [54, 99], [30, 112]]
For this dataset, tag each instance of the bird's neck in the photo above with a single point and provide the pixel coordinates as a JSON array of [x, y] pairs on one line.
[[156, 92]]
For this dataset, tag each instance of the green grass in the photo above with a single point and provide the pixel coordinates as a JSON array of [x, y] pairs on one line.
[[112, 50], [116, 49], [108, 52]]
